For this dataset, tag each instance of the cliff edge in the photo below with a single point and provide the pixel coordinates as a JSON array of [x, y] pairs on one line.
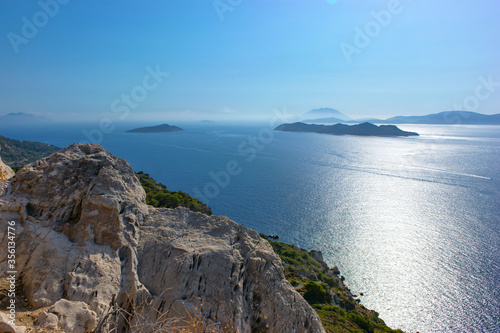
[[91, 252]]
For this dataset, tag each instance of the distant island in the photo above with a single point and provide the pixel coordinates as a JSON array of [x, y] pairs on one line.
[[156, 129], [441, 118], [364, 129], [21, 118], [449, 118], [324, 113]]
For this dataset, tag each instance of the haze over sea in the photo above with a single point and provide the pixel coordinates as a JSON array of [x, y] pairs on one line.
[[412, 223]]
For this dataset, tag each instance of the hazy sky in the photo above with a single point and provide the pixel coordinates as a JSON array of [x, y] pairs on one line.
[[243, 58]]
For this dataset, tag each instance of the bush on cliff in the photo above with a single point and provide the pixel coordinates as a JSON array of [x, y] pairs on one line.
[[316, 293], [323, 289], [157, 195], [17, 153]]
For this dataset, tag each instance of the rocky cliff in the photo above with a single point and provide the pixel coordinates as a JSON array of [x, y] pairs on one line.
[[89, 248]]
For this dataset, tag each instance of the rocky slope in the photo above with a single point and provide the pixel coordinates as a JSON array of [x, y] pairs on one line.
[[17, 153], [340, 311], [85, 234]]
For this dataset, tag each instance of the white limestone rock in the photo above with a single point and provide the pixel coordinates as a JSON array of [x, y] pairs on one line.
[[5, 171], [7, 327], [71, 316], [48, 320]]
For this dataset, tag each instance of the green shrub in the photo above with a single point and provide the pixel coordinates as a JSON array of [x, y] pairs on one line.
[[336, 309], [316, 293], [362, 321], [290, 261], [157, 195], [290, 253]]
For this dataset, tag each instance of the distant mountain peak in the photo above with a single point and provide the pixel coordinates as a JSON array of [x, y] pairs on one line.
[[326, 110], [323, 113], [22, 118]]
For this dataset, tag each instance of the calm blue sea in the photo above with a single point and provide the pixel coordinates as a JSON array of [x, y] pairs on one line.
[[412, 223]]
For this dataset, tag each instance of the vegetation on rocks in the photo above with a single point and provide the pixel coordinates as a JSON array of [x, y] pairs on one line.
[[17, 153], [323, 288], [157, 195]]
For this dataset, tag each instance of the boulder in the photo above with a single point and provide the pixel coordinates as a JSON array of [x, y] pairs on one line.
[[71, 316], [85, 237], [334, 270], [7, 327], [5, 171], [318, 256], [48, 320]]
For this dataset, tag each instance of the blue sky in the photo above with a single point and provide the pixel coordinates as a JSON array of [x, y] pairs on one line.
[[238, 59]]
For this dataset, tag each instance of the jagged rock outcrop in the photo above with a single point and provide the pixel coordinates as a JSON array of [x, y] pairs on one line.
[[71, 316], [85, 234], [5, 171], [318, 256]]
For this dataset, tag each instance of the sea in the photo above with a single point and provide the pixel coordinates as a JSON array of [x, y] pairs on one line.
[[412, 223]]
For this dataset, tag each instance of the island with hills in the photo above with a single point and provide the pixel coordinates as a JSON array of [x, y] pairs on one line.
[[363, 129], [21, 118], [331, 116], [164, 128]]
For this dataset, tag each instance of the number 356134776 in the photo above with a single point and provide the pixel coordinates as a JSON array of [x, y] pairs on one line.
[[11, 245]]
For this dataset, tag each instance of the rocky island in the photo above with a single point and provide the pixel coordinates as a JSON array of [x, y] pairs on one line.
[[93, 256], [363, 129], [156, 129]]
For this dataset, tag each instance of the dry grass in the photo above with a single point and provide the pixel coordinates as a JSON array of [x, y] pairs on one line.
[[190, 322], [38, 329], [187, 322], [28, 318]]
